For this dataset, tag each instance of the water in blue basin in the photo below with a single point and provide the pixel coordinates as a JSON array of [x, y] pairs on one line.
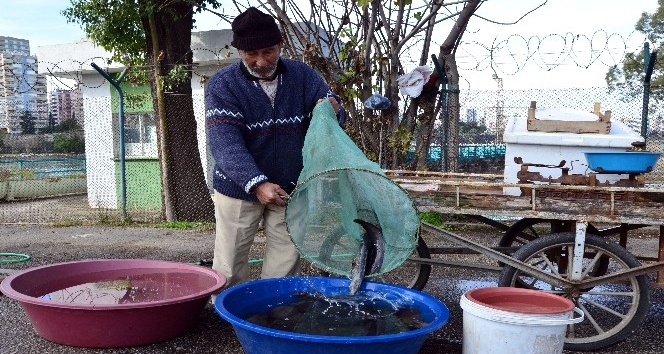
[[380, 318], [363, 314]]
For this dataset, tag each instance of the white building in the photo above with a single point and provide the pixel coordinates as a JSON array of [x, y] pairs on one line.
[[211, 51]]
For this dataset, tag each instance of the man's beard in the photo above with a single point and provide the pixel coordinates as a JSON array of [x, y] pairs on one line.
[[261, 72]]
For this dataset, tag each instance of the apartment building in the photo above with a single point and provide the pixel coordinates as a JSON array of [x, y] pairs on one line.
[[22, 89], [12, 45], [64, 105]]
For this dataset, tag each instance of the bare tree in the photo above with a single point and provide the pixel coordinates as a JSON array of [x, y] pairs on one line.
[[361, 47], [25, 143]]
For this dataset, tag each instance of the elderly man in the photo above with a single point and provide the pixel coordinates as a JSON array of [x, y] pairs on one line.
[[258, 112]]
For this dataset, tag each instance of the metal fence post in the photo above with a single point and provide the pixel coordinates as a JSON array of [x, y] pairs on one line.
[[123, 179]]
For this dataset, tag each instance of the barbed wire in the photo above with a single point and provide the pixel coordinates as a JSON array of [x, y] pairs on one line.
[[511, 55], [508, 56]]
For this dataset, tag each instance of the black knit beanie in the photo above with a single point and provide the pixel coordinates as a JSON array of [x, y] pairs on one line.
[[254, 29]]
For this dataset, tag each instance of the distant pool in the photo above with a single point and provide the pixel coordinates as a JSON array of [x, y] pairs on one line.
[[467, 152], [44, 167]]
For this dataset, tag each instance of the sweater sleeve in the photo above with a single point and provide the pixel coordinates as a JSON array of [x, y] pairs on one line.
[[323, 91], [225, 124]]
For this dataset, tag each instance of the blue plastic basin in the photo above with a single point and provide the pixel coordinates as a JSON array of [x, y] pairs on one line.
[[243, 300], [622, 162]]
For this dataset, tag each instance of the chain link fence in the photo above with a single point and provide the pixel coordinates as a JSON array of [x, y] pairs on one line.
[[41, 187], [485, 114]]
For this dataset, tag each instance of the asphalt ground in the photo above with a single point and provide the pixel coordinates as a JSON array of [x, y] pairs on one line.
[[211, 334]]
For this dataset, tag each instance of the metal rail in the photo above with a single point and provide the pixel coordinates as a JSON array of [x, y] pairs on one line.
[[524, 267], [428, 189], [458, 193], [527, 268], [479, 197]]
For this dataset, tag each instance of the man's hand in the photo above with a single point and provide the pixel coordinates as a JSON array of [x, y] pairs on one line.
[[270, 193], [334, 103]]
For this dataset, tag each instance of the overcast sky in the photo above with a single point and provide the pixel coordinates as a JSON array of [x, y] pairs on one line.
[[590, 21]]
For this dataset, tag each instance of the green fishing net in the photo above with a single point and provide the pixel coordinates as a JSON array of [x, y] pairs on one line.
[[337, 185]]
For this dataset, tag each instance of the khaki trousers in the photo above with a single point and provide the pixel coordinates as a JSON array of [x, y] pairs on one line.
[[237, 222]]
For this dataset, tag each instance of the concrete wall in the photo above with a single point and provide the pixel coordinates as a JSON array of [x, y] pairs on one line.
[[98, 129]]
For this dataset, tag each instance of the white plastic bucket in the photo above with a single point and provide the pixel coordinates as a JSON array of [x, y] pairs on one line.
[[504, 320]]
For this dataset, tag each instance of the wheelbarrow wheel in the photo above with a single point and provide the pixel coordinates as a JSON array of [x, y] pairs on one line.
[[529, 229], [613, 310], [412, 274]]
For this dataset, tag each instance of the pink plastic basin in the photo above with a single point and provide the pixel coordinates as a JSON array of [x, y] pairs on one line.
[[112, 302]]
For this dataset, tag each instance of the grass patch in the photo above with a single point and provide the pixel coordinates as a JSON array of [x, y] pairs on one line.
[[177, 225], [108, 220], [68, 223], [451, 222], [184, 225], [435, 219]]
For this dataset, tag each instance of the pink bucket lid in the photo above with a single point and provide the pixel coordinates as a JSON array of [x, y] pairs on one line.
[[520, 300]]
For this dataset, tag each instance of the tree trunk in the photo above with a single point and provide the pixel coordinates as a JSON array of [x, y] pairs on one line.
[[448, 61], [427, 101], [185, 194], [453, 112]]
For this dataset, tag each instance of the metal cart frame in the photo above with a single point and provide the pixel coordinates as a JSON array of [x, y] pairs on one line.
[[573, 261]]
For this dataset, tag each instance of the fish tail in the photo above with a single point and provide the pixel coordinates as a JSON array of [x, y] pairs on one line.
[[373, 236]]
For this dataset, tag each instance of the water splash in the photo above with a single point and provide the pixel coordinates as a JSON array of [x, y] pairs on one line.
[[364, 314]]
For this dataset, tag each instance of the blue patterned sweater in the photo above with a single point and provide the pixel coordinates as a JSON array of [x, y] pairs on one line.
[[251, 142]]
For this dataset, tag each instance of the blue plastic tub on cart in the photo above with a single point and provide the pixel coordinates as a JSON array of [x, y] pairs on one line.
[[622, 162]]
